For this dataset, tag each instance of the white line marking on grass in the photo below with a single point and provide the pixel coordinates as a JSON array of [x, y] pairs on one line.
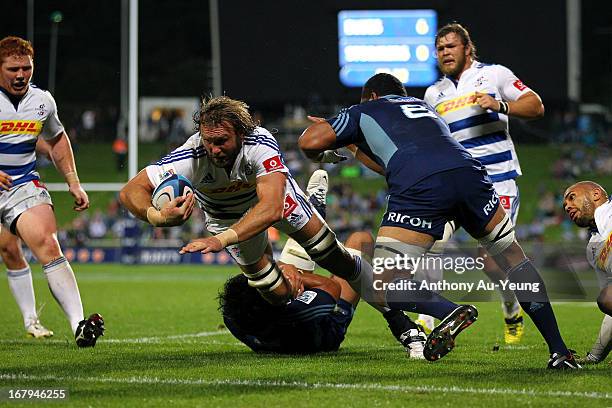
[[306, 385], [162, 339], [158, 339]]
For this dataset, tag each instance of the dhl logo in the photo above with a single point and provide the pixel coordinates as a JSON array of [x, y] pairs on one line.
[[232, 188], [20, 127], [605, 251], [457, 103]]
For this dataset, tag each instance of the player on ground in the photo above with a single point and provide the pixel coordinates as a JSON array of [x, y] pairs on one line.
[[26, 113], [432, 179], [243, 186], [589, 206], [316, 321], [476, 100]]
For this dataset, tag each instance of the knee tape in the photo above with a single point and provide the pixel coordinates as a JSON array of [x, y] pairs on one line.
[[322, 244], [500, 238], [449, 229], [389, 253], [295, 255], [267, 279]]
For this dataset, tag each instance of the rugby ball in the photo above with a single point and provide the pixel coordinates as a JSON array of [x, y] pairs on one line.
[[172, 187]]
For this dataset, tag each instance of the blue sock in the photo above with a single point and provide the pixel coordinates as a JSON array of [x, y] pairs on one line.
[[420, 301], [537, 304]]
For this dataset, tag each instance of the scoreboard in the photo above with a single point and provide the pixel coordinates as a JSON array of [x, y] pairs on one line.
[[398, 42]]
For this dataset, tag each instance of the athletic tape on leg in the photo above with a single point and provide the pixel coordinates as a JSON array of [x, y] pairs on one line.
[[267, 279], [295, 255], [500, 238], [321, 245]]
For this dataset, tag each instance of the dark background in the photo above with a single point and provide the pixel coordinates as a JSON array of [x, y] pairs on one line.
[[278, 52]]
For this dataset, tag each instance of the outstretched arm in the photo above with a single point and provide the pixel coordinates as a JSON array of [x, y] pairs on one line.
[[268, 210], [316, 139]]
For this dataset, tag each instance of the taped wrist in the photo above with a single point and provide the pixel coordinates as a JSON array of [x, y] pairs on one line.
[[72, 178], [266, 279], [155, 217], [227, 237], [504, 108]]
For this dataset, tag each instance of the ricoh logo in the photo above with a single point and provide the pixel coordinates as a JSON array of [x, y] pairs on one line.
[[407, 219], [20, 127], [491, 204]]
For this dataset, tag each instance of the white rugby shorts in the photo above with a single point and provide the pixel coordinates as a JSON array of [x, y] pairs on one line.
[[19, 199], [297, 212]]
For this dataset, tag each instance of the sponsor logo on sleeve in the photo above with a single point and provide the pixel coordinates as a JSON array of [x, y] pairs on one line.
[[273, 164], [289, 207], [505, 202], [518, 84]]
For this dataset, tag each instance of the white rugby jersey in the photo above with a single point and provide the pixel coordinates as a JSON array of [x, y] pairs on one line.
[[219, 195], [599, 248], [483, 133], [20, 125]]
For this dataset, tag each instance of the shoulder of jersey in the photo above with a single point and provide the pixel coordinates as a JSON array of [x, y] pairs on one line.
[[605, 218], [481, 65], [258, 138], [440, 82], [196, 143], [40, 92]]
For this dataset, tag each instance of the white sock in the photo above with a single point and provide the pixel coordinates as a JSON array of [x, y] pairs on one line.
[[64, 287], [510, 304], [603, 344], [20, 282], [363, 283], [427, 320], [430, 272]]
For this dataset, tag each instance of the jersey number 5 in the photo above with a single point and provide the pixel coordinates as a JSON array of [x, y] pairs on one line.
[[415, 111]]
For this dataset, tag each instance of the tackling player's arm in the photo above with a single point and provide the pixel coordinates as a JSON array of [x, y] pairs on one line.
[[316, 139], [136, 197], [321, 137], [268, 210], [363, 158], [60, 151]]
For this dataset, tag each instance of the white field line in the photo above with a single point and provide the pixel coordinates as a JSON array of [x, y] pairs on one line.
[[159, 339], [307, 385]]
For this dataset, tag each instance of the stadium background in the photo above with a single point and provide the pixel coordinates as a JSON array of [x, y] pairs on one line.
[[282, 58], [285, 66]]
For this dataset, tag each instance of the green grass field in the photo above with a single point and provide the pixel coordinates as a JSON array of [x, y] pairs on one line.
[[165, 346]]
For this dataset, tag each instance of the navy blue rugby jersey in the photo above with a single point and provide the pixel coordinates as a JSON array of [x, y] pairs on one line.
[[404, 135], [313, 322]]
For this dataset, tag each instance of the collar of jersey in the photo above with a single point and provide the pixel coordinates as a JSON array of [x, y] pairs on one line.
[[474, 63], [13, 98]]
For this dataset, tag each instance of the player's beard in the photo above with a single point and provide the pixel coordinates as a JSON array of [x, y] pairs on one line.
[[225, 161], [587, 212], [222, 161], [454, 71]]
